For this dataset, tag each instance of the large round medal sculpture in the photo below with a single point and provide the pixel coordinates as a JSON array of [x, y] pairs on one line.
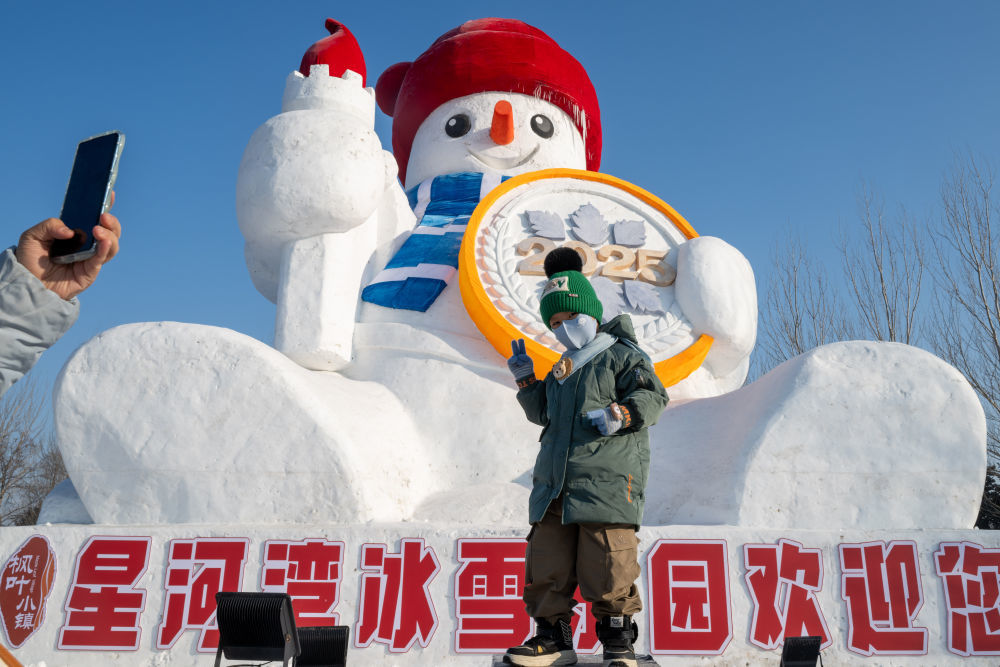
[[628, 239]]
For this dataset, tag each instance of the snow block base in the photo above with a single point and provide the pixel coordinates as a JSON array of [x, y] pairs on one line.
[[841, 435], [434, 593]]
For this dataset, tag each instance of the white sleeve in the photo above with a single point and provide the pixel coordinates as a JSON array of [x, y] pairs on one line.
[[32, 318]]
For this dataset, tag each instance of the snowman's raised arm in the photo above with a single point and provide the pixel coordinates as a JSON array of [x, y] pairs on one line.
[[316, 196], [716, 290]]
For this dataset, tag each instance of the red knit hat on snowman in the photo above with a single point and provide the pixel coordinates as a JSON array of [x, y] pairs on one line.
[[488, 55]]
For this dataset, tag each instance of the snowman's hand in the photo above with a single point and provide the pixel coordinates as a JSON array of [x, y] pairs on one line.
[[715, 290], [520, 364]]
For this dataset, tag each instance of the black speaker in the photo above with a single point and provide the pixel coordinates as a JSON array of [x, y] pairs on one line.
[[256, 626], [800, 651], [324, 646]]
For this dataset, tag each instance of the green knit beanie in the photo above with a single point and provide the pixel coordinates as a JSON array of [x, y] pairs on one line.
[[571, 292]]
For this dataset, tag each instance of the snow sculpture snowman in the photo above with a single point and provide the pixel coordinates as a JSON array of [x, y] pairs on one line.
[[489, 100], [385, 400]]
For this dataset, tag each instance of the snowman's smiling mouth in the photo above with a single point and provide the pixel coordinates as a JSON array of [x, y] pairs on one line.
[[503, 162]]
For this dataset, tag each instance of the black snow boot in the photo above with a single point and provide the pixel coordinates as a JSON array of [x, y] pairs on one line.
[[617, 633], [551, 645]]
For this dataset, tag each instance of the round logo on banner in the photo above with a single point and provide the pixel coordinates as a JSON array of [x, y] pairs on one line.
[[628, 240]]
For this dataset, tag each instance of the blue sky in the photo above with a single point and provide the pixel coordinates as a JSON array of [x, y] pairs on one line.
[[749, 118]]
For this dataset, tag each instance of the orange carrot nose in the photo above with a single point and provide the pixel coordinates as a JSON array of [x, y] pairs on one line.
[[502, 129]]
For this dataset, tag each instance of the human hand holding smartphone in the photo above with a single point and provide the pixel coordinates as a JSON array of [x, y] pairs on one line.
[[88, 196], [66, 255]]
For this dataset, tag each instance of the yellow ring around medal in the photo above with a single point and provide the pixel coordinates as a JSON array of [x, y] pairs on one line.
[[495, 327]]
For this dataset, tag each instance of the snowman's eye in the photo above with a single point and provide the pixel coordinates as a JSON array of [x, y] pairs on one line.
[[457, 126], [542, 126]]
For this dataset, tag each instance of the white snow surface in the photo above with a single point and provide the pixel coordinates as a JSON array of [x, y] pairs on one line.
[[212, 426], [715, 288], [284, 192], [63, 505], [861, 434]]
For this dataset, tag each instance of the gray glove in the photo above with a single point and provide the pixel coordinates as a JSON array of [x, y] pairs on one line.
[[607, 421], [520, 364]]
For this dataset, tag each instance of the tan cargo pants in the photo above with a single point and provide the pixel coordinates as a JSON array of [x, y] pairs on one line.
[[602, 558]]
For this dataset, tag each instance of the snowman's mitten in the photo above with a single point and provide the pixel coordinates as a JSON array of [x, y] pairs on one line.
[[520, 364], [609, 420], [715, 290]]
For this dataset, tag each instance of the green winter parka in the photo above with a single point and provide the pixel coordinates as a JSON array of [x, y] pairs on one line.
[[602, 478]]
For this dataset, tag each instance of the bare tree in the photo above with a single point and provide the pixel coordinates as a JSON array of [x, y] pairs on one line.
[[801, 309], [49, 471], [883, 268], [989, 509], [30, 464], [967, 246]]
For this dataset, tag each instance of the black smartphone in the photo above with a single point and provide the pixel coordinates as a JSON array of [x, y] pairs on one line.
[[88, 195]]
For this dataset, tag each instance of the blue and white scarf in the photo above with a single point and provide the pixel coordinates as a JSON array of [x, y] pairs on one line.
[[428, 259]]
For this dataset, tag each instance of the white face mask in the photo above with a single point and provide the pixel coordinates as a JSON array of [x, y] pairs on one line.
[[577, 332]]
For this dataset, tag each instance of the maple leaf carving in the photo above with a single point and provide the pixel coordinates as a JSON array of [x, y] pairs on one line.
[[642, 297], [589, 225], [546, 224], [631, 233], [610, 294]]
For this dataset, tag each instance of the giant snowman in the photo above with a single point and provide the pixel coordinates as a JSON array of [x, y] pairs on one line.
[[386, 396]]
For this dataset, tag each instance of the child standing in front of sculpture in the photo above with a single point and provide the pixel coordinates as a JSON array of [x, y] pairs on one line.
[[590, 474]]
